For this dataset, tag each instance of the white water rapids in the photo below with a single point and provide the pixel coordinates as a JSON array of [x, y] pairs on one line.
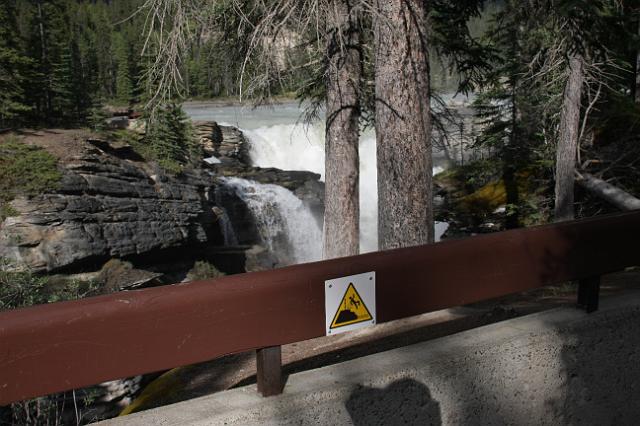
[[279, 140], [300, 147], [285, 224]]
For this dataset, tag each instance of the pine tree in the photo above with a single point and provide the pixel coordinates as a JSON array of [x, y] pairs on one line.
[[170, 137], [13, 66], [585, 32], [507, 105], [343, 92], [63, 85], [403, 124], [124, 85]]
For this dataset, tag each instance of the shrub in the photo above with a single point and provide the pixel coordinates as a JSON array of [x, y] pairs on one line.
[[24, 170], [203, 270], [169, 139], [22, 288]]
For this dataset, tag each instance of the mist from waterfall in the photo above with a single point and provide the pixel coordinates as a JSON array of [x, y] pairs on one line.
[[285, 224]]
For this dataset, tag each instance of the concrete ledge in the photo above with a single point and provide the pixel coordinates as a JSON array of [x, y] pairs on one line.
[[556, 367]]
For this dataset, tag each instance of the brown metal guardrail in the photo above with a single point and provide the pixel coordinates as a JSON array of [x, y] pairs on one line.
[[61, 346]]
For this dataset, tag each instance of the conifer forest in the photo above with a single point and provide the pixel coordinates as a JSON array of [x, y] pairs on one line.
[[145, 143]]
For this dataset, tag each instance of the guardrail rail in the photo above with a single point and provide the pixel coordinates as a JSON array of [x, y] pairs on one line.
[[62, 346]]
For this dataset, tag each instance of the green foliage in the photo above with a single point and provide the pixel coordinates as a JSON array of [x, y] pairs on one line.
[[452, 39], [61, 56], [513, 107], [97, 118], [25, 170], [13, 67], [169, 139], [124, 83], [522, 96], [476, 191], [6, 210], [22, 288]]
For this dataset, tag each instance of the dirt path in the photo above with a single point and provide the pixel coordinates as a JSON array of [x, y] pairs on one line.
[[61, 143]]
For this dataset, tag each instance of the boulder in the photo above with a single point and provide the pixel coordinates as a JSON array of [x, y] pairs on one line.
[[226, 143], [258, 258], [118, 275]]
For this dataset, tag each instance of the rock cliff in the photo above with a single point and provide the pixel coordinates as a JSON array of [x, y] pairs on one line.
[[111, 204]]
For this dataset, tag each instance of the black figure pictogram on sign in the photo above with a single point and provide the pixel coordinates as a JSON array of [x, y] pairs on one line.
[[351, 310]]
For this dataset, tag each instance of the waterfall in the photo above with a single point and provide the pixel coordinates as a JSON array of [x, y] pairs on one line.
[[301, 147], [277, 139], [288, 147], [226, 227], [286, 226]]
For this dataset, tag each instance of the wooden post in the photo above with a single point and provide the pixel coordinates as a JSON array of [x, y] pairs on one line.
[[269, 366], [589, 293]]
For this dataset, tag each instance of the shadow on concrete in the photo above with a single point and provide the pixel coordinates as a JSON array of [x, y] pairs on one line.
[[599, 370], [403, 402]]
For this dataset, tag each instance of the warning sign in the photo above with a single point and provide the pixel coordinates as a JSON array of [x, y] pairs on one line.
[[350, 302], [352, 310]]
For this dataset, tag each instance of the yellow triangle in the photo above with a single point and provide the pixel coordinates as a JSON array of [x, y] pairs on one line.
[[351, 310]]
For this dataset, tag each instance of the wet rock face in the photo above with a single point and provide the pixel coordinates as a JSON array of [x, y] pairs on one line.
[[229, 145], [107, 207]]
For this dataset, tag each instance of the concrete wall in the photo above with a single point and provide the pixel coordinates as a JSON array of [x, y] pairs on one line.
[[558, 367]]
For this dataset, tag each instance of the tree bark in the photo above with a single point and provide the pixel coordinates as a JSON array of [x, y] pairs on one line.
[[403, 124], [510, 160], [567, 145], [636, 88], [341, 218], [44, 59]]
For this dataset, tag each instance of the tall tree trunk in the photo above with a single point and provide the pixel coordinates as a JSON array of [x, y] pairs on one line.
[[567, 145], [44, 63], [403, 124], [509, 163], [636, 91], [341, 218]]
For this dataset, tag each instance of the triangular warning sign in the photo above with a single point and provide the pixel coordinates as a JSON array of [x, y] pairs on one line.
[[351, 310]]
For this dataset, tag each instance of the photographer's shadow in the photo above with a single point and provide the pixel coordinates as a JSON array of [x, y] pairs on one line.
[[404, 402]]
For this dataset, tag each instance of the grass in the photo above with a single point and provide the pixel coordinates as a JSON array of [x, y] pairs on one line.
[[24, 170]]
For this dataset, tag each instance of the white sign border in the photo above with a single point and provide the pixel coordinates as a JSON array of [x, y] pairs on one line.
[[334, 291]]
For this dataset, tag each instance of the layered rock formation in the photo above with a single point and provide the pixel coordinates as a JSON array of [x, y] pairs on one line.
[[110, 204], [106, 207], [227, 143]]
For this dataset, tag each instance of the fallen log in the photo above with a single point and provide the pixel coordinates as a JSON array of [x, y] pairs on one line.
[[600, 188]]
